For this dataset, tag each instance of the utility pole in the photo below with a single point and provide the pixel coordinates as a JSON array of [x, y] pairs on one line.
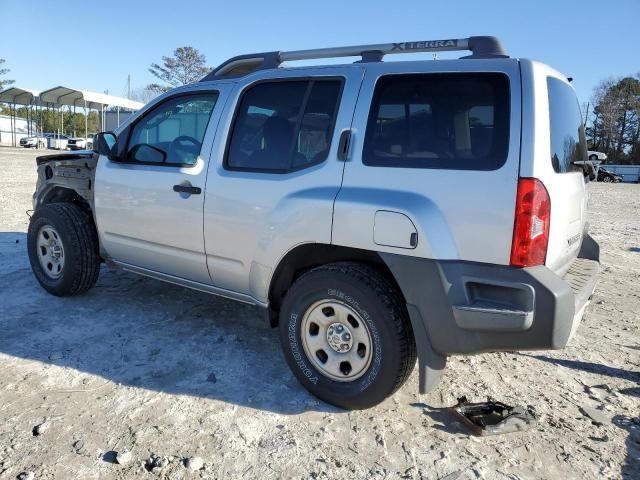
[[129, 86], [586, 115]]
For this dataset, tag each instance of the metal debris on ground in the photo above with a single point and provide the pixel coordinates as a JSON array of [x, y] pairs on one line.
[[493, 418]]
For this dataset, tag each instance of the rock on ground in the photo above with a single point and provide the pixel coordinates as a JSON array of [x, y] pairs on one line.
[[123, 457], [194, 463], [41, 428]]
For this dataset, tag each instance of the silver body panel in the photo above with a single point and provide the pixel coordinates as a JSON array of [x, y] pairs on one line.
[[230, 240], [458, 214]]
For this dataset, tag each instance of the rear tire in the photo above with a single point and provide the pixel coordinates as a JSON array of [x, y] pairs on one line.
[[346, 335], [63, 249]]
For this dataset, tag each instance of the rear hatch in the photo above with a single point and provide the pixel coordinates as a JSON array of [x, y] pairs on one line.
[[558, 142]]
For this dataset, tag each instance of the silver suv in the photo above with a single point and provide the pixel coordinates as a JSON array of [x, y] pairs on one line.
[[377, 212]]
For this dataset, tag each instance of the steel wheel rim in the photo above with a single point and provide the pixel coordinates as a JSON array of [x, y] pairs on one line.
[[336, 340], [50, 251]]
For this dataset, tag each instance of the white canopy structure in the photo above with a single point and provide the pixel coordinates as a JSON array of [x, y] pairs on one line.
[[82, 98], [20, 96], [61, 96], [65, 96]]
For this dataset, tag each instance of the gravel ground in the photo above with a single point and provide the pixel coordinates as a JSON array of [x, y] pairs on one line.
[[141, 379]]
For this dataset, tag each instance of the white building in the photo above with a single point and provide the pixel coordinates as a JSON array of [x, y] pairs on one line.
[[6, 129]]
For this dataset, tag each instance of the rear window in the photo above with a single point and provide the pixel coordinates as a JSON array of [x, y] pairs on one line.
[[568, 143], [457, 121]]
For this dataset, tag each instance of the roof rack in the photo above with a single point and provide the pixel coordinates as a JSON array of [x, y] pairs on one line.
[[480, 47]]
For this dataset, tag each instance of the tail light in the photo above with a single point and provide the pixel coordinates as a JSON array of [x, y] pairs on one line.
[[531, 226]]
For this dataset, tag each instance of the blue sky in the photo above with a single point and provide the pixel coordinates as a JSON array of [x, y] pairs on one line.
[[94, 45]]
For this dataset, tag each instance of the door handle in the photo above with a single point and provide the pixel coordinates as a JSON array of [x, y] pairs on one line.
[[343, 145], [187, 189]]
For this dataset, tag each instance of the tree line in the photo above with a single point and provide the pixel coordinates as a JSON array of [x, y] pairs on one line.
[[48, 120], [613, 126]]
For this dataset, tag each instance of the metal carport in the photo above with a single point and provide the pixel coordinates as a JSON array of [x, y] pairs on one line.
[[65, 96], [21, 96]]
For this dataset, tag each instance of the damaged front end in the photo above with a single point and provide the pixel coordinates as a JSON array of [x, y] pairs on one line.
[[66, 177]]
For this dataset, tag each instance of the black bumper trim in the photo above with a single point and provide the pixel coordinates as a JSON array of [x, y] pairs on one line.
[[538, 308]]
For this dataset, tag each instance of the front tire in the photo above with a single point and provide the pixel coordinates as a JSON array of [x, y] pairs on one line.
[[346, 335], [63, 249]]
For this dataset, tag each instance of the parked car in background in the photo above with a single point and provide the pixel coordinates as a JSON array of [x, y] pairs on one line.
[[57, 141], [628, 173], [597, 156], [36, 141], [608, 176], [80, 143]]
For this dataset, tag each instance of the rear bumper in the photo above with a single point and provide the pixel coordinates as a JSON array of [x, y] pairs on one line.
[[461, 307]]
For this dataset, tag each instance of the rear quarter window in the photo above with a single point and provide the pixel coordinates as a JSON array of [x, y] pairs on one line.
[[568, 143], [457, 121]]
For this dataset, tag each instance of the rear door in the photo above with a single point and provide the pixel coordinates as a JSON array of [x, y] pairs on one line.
[[433, 165], [275, 172]]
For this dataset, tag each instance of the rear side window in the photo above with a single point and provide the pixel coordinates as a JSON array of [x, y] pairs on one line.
[[568, 143], [282, 126], [457, 121]]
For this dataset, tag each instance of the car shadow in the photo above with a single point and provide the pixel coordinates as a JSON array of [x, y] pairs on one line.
[[442, 419], [631, 391], [631, 466], [144, 333], [590, 367]]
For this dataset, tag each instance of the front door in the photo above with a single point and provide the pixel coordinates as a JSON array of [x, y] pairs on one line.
[[149, 204]]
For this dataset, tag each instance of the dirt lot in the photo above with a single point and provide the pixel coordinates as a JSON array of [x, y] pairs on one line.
[[140, 366]]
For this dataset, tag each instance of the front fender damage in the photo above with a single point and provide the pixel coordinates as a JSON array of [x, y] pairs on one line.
[[66, 177]]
